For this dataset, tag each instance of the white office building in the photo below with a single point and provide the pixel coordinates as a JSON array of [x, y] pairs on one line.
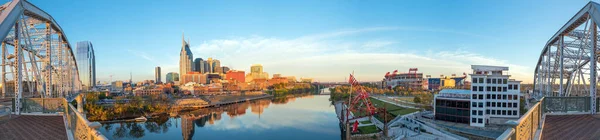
[[493, 95]]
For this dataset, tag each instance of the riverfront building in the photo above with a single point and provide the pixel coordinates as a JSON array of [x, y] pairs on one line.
[[493, 98], [235, 75], [86, 61], [256, 72], [410, 80]]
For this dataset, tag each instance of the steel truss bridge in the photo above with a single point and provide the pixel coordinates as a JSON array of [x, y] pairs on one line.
[[568, 64], [36, 55]]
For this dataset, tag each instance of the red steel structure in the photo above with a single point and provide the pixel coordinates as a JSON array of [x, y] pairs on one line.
[[361, 102]]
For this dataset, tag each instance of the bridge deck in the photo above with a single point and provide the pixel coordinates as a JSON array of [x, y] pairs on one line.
[[563, 127], [26, 127]]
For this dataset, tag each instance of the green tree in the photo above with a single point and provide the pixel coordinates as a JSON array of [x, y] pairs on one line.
[[417, 99], [522, 106]]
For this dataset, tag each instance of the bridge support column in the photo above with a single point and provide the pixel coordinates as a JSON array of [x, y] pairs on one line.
[[593, 74], [18, 72]]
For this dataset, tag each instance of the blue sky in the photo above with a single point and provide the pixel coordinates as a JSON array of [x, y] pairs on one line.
[[324, 40]]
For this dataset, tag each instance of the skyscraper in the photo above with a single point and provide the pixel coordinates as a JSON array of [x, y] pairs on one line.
[[199, 65], [172, 77], [217, 66], [210, 69], [206, 67], [157, 75], [185, 58], [86, 61]]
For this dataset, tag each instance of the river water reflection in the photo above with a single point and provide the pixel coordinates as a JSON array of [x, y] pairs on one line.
[[302, 117]]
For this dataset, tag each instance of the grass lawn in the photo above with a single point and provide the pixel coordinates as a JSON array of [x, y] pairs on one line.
[[365, 122], [392, 109], [368, 129], [407, 99]]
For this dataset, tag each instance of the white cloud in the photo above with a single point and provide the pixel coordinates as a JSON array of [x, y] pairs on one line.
[[330, 56]]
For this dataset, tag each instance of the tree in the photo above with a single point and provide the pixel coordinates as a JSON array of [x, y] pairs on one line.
[[522, 106], [417, 99]]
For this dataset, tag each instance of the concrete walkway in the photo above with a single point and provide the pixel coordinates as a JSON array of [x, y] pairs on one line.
[[29, 127]]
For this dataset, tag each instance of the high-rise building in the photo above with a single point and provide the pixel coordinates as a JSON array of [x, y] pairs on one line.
[[185, 58], [225, 69], [199, 65], [172, 77], [86, 61], [157, 75], [217, 66], [206, 67], [209, 62]]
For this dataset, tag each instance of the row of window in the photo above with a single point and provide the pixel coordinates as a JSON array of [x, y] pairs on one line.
[[493, 112], [494, 104], [490, 81], [495, 96], [513, 87], [477, 120], [493, 89]]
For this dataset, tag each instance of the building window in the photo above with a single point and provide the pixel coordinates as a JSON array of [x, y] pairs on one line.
[[481, 96], [509, 112], [504, 81], [493, 96], [480, 88], [504, 89], [487, 104], [489, 88], [474, 88], [474, 96], [515, 97], [510, 97], [503, 112], [510, 87], [493, 112], [479, 120], [515, 105], [474, 105], [474, 112], [493, 104], [487, 112], [480, 80], [480, 104], [474, 120], [480, 113], [488, 81], [493, 88], [474, 80], [515, 112], [493, 81], [487, 96], [504, 97], [509, 105], [516, 87]]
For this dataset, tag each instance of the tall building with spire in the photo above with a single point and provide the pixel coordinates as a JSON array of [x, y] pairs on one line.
[[185, 57]]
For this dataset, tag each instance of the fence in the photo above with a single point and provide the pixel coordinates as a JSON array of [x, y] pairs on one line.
[[44, 105]]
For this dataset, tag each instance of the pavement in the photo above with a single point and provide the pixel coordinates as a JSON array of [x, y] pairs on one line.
[[572, 127], [29, 127]]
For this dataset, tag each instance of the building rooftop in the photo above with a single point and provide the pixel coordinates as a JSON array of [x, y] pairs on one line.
[[455, 93], [488, 68]]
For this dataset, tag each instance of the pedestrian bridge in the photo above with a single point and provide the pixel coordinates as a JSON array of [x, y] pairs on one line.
[[565, 84], [39, 78]]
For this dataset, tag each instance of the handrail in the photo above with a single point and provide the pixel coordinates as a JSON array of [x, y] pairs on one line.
[[507, 135], [80, 127]]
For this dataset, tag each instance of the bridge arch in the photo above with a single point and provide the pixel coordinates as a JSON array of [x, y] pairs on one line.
[[37, 58], [568, 63]]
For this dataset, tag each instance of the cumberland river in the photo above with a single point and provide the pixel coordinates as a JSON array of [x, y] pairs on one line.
[[292, 117]]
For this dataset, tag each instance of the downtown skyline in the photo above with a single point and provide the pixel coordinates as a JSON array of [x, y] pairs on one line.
[[321, 40]]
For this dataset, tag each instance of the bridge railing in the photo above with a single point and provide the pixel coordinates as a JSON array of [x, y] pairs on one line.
[[526, 127], [80, 127], [77, 124]]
